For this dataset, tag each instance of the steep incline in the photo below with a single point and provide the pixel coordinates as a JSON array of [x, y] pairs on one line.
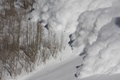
[[65, 71]]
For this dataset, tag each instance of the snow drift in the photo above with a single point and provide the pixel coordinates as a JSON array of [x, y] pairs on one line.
[[95, 29]]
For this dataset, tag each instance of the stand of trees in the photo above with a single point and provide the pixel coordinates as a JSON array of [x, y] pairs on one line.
[[23, 43]]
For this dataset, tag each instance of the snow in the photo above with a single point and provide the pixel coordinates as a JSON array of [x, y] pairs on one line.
[[62, 15], [98, 34], [95, 30], [64, 70], [103, 54], [103, 77]]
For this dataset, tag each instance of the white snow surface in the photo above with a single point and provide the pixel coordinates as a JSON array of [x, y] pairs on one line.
[[95, 29], [64, 70]]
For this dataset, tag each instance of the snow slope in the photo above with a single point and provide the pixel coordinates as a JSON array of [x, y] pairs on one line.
[[65, 71]]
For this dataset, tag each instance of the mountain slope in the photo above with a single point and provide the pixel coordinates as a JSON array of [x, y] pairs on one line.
[[65, 71]]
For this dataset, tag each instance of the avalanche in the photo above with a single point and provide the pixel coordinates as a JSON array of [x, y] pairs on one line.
[[94, 29], [94, 26], [99, 35]]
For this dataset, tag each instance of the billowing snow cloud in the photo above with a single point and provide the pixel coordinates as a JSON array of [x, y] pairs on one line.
[[63, 14], [100, 35], [103, 56]]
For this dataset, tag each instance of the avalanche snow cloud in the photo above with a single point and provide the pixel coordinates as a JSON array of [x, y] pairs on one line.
[[95, 29]]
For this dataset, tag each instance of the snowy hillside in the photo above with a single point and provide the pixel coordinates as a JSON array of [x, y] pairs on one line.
[[93, 27], [64, 38], [64, 71]]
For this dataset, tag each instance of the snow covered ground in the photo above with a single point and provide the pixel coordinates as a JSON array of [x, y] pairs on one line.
[[65, 71]]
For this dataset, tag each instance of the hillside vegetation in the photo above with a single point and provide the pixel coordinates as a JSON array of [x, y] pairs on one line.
[[23, 43]]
